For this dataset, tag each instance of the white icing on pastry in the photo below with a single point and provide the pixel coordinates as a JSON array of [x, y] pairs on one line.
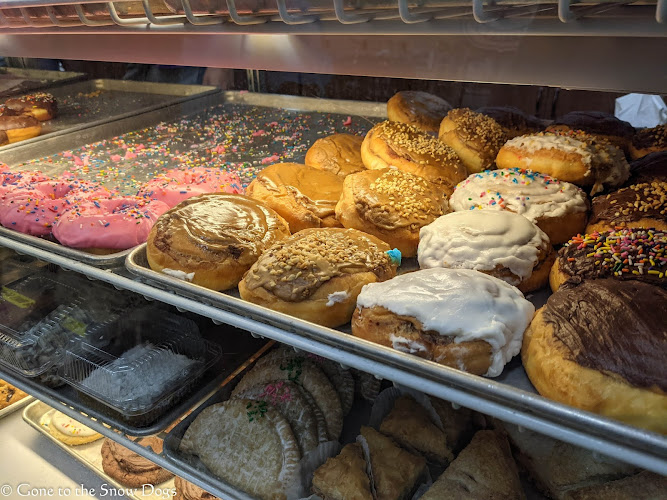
[[460, 303], [337, 297], [406, 345], [524, 192], [482, 240], [70, 427], [181, 275], [536, 142]]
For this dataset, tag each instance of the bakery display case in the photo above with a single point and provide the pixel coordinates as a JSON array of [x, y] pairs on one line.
[[602, 46]]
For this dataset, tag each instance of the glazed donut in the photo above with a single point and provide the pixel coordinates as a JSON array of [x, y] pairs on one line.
[[603, 126], [304, 196], [501, 244], [34, 208], [177, 185], [600, 345], [568, 156], [648, 140], [20, 128], [211, 240], [625, 254], [558, 208], [652, 167], [475, 137], [514, 121], [41, 106], [394, 144], [391, 205], [420, 109], [339, 154], [637, 206], [456, 317], [107, 226], [316, 274]]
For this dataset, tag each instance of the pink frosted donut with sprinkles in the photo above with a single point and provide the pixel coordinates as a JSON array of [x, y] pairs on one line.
[[560, 209], [177, 185], [108, 225], [33, 208], [10, 180]]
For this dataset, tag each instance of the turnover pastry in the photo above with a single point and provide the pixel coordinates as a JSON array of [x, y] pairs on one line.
[[304, 196], [407, 148], [420, 109], [571, 157], [247, 444], [643, 486], [456, 317], [502, 244], [212, 239], [410, 425], [343, 477], [391, 205], [475, 137], [558, 208], [70, 431], [637, 206], [339, 154], [484, 469], [395, 472], [625, 254], [311, 378], [131, 469], [317, 274], [601, 345]]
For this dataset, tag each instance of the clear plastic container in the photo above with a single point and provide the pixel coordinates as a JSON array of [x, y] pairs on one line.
[[152, 361], [36, 323]]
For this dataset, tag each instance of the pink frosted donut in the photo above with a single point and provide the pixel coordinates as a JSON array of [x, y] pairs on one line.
[[33, 208], [114, 224], [9, 180], [177, 185]]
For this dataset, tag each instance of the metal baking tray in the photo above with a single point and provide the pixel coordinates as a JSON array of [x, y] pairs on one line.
[[16, 406], [86, 104], [16, 81], [37, 416], [512, 390], [238, 347]]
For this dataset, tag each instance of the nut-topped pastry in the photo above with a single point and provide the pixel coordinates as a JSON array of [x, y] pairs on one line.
[[339, 154], [212, 239], [394, 144], [475, 137], [304, 196], [649, 140], [317, 274], [391, 205], [637, 206], [421, 109], [514, 121], [625, 254], [42, 106], [604, 126]]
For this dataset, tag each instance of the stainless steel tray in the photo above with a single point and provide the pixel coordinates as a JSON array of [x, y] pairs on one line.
[[16, 406], [16, 81], [238, 347], [38, 415], [512, 389], [94, 102]]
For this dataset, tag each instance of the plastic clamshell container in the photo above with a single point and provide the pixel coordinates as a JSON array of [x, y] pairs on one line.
[[153, 360], [36, 319]]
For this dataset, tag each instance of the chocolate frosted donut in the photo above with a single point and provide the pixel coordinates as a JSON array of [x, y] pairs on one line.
[[41, 106], [513, 120], [602, 125], [212, 239], [3, 138], [475, 137], [652, 167], [316, 274], [394, 144], [637, 206], [601, 345], [338, 153], [649, 140], [19, 128], [421, 109], [625, 254]]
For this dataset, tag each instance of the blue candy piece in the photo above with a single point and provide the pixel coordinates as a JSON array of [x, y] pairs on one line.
[[395, 256]]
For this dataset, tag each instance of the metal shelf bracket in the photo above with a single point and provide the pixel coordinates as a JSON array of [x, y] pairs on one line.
[[661, 11], [293, 18], [242, 20], [160, 21], [564, 12], [348, 17], [408, 17], [480, 15], [199, 21], [85, 20], [124, 22]]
